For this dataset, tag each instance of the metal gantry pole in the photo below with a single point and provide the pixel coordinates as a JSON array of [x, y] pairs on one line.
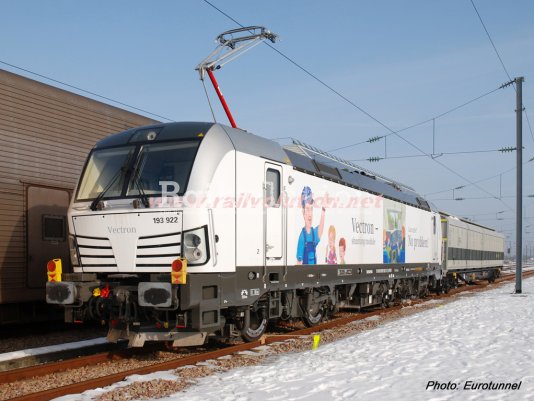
[[519, 185]]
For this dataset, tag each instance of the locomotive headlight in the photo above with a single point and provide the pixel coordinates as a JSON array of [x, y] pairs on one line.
[[193, 255], [195, 248], [192, 240], [73, 251]]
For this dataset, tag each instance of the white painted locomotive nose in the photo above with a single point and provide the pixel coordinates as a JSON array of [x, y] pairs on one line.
[[128, 242]]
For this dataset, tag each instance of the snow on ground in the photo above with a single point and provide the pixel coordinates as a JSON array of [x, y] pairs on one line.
[[480, 338]]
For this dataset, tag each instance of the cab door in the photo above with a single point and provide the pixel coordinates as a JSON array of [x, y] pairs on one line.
[[273, 213]]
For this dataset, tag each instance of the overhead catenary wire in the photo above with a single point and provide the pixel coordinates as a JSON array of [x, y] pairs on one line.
[[84, 90], [528, 122], [487, 214], [428, 120], [475, 198], [481, 180], [435, 155], [209, 101], [491, 40], [336, 92], [339, 94], [512, 82], [501, 61], [463, 186], [305, 70]]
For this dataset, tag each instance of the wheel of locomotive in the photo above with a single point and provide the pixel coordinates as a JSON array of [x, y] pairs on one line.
[[443, 286], [424, 292], [313, 316], [404, 290], [254, 325], [396, 296], [313, 312], [386, 301]]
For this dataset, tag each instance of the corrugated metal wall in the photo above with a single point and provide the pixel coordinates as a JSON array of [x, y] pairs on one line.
[[45, 135]]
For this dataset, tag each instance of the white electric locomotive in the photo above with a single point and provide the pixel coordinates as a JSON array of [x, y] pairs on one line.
[[183, 231]]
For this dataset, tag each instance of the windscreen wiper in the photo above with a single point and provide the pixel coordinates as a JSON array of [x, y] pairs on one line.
[[123, 170], [137, 178], [138, 183]]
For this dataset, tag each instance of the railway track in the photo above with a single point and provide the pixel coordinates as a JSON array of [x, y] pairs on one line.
[[42, 370], [71, 363]]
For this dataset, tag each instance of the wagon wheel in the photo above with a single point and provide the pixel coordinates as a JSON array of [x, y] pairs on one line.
[[254, 325]]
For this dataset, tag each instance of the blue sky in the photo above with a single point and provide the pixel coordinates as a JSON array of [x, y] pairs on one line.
[[402, 62]]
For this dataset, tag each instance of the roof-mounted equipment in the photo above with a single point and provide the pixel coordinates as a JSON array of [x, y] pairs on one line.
[[231, 44], [336, 162]]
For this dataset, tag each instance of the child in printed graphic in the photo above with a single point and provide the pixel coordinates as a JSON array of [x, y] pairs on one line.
[[342, 250], [309, 236], [331, 257]]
